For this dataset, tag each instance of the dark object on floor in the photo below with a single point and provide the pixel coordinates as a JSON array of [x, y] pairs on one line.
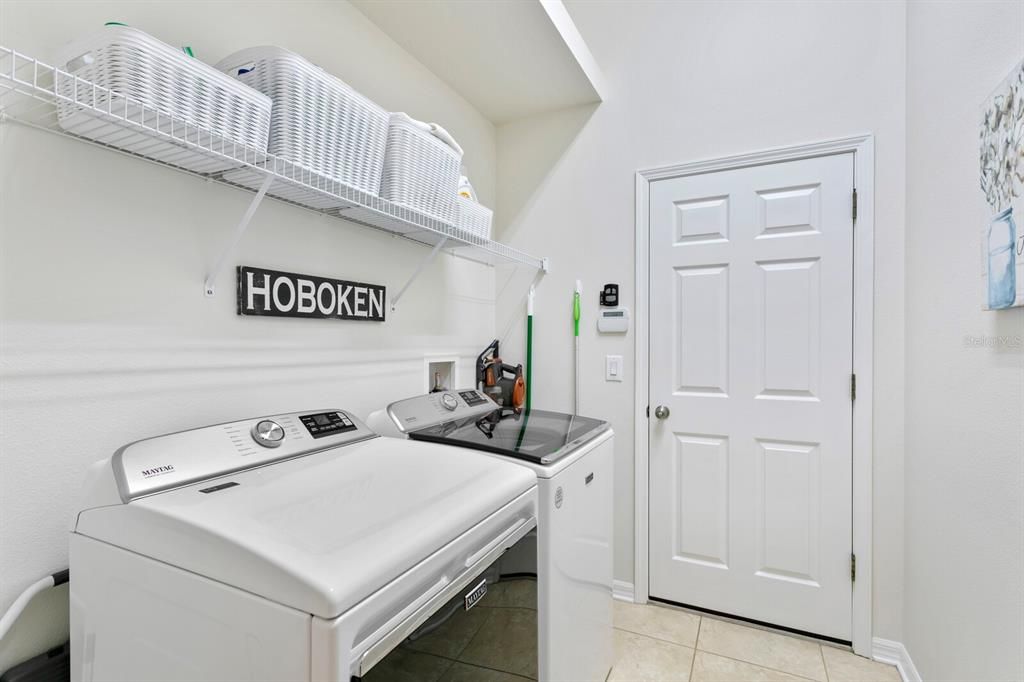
[[53, 666]]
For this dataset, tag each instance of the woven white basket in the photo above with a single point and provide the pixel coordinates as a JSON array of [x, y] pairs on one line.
[[473, 217], [163, 90], [420, 171], [319, 122]]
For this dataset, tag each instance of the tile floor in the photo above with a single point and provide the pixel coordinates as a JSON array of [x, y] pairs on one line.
[[496, 642], [663, 644]]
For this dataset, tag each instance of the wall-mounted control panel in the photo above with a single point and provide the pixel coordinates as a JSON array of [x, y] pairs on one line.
[[613, 320]]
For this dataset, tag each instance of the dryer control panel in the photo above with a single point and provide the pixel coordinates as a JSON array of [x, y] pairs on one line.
[[156, 464], [327, 423], [432, 409]]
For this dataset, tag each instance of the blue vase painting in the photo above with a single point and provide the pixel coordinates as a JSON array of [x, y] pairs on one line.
[[1002, 270], [1002, 182]]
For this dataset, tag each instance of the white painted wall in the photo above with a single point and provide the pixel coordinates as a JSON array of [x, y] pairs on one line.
[[688, 81], [964, 613], [105, 336], [105, 333]]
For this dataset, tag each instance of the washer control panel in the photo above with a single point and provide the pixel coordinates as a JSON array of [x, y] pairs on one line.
[[422, 411], [473, 398], [327, 423]]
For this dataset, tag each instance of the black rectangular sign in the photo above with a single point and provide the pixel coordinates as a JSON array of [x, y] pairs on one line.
[[286, 294]]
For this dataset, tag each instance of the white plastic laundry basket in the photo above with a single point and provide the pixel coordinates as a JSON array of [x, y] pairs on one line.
[[473, 217], [420, 171], [318, 122], [162, 92]]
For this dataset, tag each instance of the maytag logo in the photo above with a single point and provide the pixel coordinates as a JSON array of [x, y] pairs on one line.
[[476, 594], [156, 471]]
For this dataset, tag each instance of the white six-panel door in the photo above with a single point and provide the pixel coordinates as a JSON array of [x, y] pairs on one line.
[[751, 306]]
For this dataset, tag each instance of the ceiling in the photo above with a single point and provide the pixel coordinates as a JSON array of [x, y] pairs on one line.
[[508, 58]]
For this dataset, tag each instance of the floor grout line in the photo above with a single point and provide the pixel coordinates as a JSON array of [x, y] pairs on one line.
[[456, 661], [760, 627], [758, 665], [447, 668], [693, 659], [656, 639], [769, 630], [697, 648]]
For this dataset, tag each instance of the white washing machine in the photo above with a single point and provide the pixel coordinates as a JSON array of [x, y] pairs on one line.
[[294, 547], [572, 457]]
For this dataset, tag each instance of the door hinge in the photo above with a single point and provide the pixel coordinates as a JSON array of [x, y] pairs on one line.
[[853, 387], [854, 204], [853, 567]]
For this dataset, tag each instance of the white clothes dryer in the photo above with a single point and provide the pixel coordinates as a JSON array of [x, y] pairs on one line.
[[294, 547]]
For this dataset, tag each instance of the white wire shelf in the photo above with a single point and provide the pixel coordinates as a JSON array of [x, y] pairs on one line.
[[32, 93]]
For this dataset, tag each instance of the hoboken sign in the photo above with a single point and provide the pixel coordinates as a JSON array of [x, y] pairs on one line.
[[285, 294]]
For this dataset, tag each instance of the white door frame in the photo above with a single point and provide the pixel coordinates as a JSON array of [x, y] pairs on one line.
[[863, 149]]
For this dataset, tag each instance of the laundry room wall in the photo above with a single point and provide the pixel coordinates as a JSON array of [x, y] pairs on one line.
[[105, 335], [964, 612], [690, 81]]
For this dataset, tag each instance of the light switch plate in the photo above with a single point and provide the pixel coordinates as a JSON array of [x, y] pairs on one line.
[[613, 368]]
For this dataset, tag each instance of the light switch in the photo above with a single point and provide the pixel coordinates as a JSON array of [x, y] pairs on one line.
[[613, 368]]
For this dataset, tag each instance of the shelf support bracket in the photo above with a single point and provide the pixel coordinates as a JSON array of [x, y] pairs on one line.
[[209, 286], [419, 268]]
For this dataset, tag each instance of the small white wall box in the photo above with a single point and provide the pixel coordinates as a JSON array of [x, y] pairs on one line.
[[446, 370], [613, 320]]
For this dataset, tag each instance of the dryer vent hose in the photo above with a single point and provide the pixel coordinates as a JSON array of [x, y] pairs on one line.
[[58, 578]]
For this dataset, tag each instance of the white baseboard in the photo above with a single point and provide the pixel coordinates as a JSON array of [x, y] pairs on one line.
[[622, 590], [894, 653]]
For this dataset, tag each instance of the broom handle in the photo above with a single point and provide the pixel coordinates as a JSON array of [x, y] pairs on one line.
[[576, 335], [529, 350]]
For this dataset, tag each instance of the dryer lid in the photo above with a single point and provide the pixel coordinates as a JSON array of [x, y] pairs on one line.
[[319, 532]]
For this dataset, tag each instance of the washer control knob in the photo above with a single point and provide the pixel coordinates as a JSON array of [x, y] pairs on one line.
[[268, 433], [449, 402]]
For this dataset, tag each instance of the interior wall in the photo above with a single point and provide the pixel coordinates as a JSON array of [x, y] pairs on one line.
[[105, 335], [689, 81], [964, 613]]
